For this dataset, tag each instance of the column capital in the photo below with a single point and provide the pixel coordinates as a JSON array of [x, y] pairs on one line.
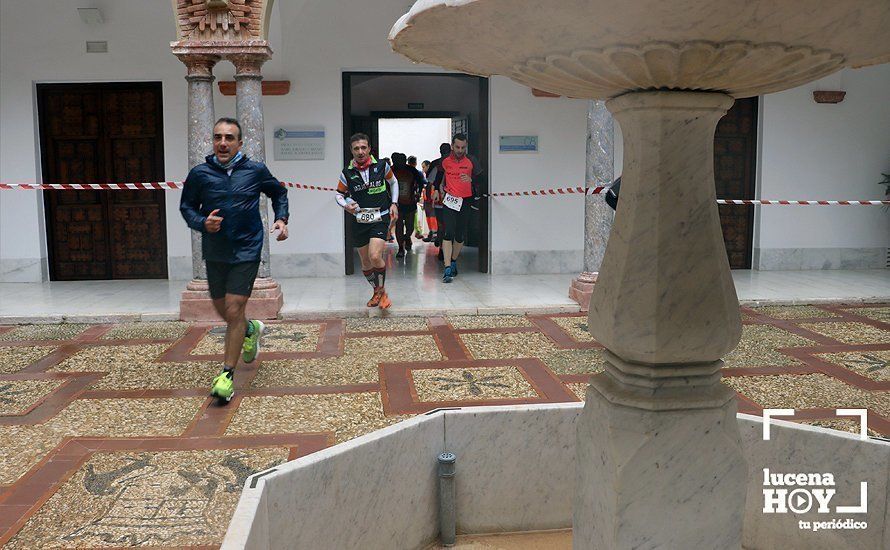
[[248, 63], [198, 64]]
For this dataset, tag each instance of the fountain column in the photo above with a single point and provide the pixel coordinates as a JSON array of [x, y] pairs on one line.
[[658, 447]]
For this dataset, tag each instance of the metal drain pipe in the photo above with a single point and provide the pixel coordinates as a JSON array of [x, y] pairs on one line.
[[447, 515]]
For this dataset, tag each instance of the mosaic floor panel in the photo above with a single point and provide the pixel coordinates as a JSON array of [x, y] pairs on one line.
[[107, 437]]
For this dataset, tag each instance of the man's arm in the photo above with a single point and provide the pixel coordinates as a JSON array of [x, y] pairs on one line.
[[393, 182], [275, 191], [478, 177], [190, 203]]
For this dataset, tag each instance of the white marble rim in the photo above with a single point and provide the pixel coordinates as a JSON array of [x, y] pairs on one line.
[[239, 528]]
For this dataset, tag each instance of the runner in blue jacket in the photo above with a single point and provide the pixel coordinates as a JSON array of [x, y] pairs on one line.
[[221, 200]]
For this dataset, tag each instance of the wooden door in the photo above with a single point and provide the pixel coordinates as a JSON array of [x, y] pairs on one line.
[[735, 154], [95, 133]]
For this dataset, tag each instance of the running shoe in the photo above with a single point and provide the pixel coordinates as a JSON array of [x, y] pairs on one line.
[[454, 268], [375, 299], [251, 347], [223, 387], [400, 254], [448, 276], [385, 302]]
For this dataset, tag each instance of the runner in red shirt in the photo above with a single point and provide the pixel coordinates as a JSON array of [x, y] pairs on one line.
[[461, 175]]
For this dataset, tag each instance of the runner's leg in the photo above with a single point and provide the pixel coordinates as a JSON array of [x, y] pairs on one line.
[[378, 264]]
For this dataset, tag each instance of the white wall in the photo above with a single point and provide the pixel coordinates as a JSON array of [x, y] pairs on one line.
[[809, 150], [43, 40], [537, 233], [825, 151]]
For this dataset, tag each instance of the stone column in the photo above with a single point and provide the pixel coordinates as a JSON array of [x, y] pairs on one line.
[[659, 460], [200, 137], [597, 214], [266, 300]]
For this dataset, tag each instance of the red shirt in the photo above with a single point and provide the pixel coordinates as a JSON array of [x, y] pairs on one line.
[[454, 168]]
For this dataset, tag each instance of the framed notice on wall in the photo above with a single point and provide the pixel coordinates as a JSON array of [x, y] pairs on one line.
[[518, 144], [299, 143]]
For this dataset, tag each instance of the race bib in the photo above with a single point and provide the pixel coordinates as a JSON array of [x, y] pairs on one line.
[[368, 215], [453, 202]]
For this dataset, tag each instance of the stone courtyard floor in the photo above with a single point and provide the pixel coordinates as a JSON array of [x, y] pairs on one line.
[[108, 438]]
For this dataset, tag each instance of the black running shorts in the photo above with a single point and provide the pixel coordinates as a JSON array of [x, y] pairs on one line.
[[362, 233], [224, 278], [457, 223]]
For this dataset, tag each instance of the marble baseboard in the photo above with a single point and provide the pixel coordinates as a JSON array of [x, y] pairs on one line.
[[284, 266], [516, 472], [522, 262], [179, 268], [794, 259], [321, 264], [23, 270]]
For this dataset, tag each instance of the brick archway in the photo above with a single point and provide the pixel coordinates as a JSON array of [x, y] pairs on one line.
[[222, 20]]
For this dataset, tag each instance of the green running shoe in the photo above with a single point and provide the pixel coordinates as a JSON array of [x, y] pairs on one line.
[[252, 342], [223, 387]]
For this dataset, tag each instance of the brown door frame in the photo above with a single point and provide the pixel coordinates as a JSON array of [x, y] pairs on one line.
[[41, 91], [482, 153]]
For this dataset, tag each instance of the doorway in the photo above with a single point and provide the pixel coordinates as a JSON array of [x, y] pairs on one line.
[[103, 133], [735, 159], [369, 97]]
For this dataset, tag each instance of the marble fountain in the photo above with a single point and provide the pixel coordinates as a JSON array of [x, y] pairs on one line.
[[657, 456]]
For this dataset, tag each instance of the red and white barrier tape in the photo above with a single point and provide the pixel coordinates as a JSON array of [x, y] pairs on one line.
[[533, 193]]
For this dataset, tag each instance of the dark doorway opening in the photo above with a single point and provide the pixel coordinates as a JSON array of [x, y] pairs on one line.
[[370, 96], [735, 160], [103, 133]]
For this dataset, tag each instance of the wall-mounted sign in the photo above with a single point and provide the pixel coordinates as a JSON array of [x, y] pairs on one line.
[[518, 144], [299, 143], [415, 106]]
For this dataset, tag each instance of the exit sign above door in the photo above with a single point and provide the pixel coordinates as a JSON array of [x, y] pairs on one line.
[[415, 106]]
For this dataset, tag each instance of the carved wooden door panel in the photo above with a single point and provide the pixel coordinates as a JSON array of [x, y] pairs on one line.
[[95, 133], [735, 153]]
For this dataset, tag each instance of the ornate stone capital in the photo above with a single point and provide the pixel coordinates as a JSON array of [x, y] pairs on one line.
[[248, 63], [198, 64]]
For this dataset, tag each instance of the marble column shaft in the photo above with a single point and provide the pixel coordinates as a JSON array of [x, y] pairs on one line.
[[200, 130], [249, 111], [600, 162]]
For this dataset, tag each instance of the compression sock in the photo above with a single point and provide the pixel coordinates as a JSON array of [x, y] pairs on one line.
[[371, 276]]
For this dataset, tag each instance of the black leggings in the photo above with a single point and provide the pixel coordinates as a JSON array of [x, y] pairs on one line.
[[405, 225]]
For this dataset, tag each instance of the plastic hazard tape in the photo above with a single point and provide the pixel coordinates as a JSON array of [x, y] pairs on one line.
[[130, 186], [533, 193]]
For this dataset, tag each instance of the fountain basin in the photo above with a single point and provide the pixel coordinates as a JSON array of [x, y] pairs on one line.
[[516, 472]]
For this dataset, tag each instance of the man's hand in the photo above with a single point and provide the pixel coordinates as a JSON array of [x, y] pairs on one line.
[[435, 195], [213, 222], [282, 227], [465, 178], [352, 208], [393, 212]]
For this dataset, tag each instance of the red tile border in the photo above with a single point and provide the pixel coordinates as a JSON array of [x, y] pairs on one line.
[[399, 397], [450, 346], [558, 335], [54, 402]]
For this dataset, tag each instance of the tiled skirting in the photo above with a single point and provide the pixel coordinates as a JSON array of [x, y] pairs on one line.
[[23, 270], [524, 262], [788, 259], [283, 266]]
